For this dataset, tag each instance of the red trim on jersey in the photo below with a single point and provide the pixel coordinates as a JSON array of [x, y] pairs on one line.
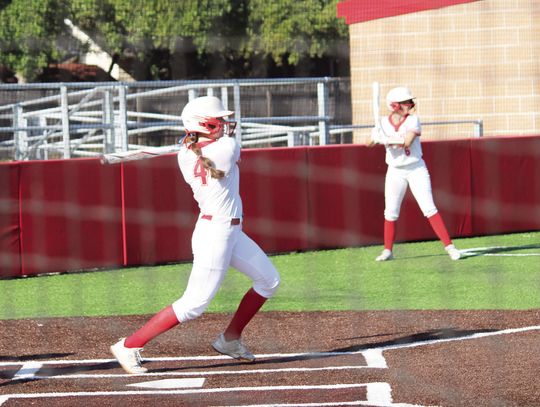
[[204, 143], [398, 125]]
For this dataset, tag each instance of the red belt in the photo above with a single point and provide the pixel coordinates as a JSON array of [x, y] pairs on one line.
[[234, 221]]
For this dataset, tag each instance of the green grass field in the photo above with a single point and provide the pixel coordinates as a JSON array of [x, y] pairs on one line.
[[506, 275]]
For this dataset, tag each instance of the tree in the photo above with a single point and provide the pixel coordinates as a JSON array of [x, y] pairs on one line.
[[217, 37], [289, 30], [30, 31]]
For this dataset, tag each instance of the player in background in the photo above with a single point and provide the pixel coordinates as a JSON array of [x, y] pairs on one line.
[[400, 134], [208, 160]]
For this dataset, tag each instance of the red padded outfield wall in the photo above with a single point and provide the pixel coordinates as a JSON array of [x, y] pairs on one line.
[[70, 216], [506, 185], [10, 248], [77, 214]]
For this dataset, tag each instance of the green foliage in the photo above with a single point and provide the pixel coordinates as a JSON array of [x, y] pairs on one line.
[[145, 25], [421, 277], [29, 32], [235, 29], [294, 29]]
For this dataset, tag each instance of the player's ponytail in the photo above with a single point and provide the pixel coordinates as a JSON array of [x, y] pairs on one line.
[[191, 140]]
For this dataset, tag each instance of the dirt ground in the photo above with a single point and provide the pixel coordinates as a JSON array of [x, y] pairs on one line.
[[427, 358]]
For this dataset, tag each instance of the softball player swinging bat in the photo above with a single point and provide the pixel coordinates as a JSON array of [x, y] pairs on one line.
[[208, 160], [400, 134]]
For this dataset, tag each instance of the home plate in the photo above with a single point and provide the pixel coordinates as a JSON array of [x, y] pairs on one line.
[[171, 383]]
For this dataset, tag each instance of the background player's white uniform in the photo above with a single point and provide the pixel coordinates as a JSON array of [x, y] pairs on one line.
[[400, 133], [218, 242], [406, 167]]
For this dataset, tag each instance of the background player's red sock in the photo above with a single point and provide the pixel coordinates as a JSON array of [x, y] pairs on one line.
[[250, 304], [159, 323], [389, 233], [438, 226]]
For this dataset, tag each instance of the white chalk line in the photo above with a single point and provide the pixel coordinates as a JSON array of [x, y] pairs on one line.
[[477, 251], [203, 373], [200, 358], [511, 255], [373, 357], [369, 354], [378, 394], [461, 338], [165, 392]]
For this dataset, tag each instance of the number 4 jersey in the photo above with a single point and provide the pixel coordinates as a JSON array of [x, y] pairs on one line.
[[216, 197]]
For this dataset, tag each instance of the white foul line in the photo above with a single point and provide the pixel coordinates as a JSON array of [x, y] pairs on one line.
[[462, 338], [512, 255], [478, 251]]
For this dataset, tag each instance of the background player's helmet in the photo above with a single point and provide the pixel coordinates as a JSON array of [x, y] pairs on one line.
[[200, 114], [396, 95]]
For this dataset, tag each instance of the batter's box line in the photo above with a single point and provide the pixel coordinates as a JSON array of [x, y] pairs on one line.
[[373, 357], [199, 373], [378, 394]]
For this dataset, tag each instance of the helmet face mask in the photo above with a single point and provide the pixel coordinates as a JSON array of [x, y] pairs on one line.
[[215, 127]]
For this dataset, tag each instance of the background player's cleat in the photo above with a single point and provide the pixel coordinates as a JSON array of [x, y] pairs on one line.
[[235, 348], [129, 358], [453, 252], [385, 255]]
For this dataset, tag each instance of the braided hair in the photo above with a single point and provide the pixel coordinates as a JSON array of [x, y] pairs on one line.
[[191, 141]]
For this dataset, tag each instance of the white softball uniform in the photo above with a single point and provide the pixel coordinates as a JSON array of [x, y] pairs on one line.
[[218, 240], [406, 168]]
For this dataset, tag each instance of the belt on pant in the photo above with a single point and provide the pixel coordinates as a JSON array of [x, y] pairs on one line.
[[234, 221]]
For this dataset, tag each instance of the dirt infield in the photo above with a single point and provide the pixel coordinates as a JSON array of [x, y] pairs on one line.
[[428, 358]]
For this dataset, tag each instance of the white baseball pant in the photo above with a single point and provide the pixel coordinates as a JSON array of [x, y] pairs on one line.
[[217, 245], [417, 177]]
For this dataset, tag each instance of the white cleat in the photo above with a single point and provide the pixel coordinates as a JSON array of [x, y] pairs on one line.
[[385, 255], [235, 348], [129, 358], [454, 253]]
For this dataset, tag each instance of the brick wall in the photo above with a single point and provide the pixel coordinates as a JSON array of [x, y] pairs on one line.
[[479, 60]]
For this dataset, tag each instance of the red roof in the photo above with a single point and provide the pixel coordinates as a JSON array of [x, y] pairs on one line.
[[357, 11]]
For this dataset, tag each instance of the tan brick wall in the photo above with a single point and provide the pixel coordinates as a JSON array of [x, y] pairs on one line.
[[474, 61]]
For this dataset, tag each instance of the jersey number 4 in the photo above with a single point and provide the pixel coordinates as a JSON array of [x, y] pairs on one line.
[[200, 171]]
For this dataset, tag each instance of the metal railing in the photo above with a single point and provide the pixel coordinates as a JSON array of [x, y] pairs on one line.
[[102, 118], [89, 119]]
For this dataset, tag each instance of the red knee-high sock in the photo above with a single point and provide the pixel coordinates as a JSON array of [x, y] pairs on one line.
[[250, 304], [389, 233], [159, 323], [438, 226]]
